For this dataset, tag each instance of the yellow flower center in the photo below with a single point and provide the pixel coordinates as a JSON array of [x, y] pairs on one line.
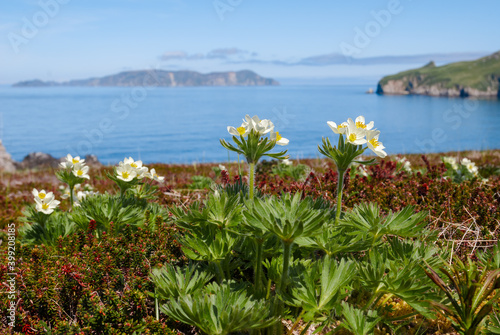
[[240, 130], [41, 195], [75, 161], [278, 136], [352, 137], [45, 206], [133, 165], [360, 125], [341, 126], [79, 172], [125, 174], [374, 142]]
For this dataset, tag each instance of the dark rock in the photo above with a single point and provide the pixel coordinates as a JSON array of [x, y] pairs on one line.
[[37, 160]]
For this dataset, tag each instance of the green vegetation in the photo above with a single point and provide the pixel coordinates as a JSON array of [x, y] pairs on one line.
[[479, 74]]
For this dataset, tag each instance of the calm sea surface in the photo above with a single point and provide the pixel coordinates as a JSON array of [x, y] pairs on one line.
[[184, 125]]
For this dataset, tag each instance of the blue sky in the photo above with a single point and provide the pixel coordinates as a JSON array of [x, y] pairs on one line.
[[71, 39]]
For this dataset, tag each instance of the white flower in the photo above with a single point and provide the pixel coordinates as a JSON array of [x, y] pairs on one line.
[[140, 170], [222, 167], [340, 129], [286, 161], [470, 166], [360, 123], [42, 195], [130, 161], [406, 165], [46, 207], [451, 161], [126, 172], [153, 175], [363, 170], [83, 194], [240, 131], [81, 170], [275, 136], [373, 143], [262, 127], [70, 161], [355, 135]]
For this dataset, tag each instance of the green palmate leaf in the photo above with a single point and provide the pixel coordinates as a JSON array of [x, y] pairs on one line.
[[253, 147], [344, 154], [321, 286], [211, 245], [219, 209], [366, 218], [221, 309], [172, 282], [358, 321], [107, 210], [333, 241], [400, 277], [45, 231], [288, 218]]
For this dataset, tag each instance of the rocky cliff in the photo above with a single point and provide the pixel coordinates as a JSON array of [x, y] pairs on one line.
[[165, 79], [479, 78]]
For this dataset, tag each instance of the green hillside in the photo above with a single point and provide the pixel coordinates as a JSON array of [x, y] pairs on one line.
[[479, 74]]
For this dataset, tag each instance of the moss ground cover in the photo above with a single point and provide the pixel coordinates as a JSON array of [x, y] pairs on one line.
[[139, 271]]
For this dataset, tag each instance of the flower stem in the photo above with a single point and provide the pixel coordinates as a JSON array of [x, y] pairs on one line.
[[287, 250], [71, 188], [157, 309], [340, 185], [251, 180], [258, 267]]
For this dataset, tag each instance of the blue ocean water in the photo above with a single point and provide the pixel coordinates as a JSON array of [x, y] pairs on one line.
[[184, 124]]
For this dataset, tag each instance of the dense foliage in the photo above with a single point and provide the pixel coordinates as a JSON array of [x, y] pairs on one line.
[[136, 262]]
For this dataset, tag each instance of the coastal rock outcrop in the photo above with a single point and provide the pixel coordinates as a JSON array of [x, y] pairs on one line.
[[478, 79]]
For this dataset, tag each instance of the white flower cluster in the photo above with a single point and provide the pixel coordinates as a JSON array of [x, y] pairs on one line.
[[261, 127], [359, 133], [130, 169], [470, 166], [466, 163], [452, 162], [404, 163], [79, 169], [45, 202]]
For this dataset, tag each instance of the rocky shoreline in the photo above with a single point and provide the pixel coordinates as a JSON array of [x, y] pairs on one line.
[[35, 160], [410, 86]]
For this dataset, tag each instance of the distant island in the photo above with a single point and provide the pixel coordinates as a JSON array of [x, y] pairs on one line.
[[479, 78], [164, 79]]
